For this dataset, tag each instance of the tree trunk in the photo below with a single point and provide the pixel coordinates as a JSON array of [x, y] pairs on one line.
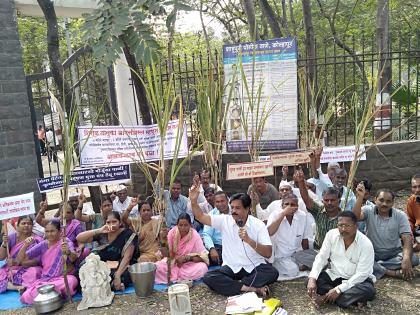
[[284, 14], [146, 117], [249, 8], [292, 18], [383, 102], [53, 45], [311, 84], [271, 17]]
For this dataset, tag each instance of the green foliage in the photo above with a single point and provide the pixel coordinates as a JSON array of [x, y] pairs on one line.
[[33, 38], [118, 25]]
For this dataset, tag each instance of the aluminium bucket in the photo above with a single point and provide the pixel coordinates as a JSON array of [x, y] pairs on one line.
[[143, 277]]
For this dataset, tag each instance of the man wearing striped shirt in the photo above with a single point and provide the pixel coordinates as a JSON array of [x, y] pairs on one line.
[[325, 217]]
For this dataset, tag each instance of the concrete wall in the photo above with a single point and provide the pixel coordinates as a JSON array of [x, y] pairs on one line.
[[388, 165], [18, 167]]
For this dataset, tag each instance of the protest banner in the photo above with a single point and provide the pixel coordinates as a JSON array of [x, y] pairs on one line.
[[341, 154], [16, 206], [290, 158], [107, 145], [87, 177], [249, 170]]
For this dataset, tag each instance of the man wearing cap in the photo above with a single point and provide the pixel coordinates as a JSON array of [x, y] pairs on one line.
[[122, 201]]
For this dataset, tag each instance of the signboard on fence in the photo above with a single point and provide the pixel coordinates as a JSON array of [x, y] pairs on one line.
[[249, 170], [87, 177], [291, 158], [272, 66], [102, 145], [16, 206], [341, 154]]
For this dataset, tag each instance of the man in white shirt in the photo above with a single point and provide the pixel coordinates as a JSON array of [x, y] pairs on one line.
[[349, 279], [289, 229], [205, 179], [246, 245], [122, 201]]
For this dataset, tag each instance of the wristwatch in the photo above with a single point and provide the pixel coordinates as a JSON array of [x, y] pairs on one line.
[[337, 289]]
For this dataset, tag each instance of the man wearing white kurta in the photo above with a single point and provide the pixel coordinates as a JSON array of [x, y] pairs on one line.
[[122, 201], [350, 255], [289, 229], [246, 245]]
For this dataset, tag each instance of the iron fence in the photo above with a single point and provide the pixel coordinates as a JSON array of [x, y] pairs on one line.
[[345, 81]]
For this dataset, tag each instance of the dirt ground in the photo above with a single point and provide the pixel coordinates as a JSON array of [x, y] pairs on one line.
[[393, 297]]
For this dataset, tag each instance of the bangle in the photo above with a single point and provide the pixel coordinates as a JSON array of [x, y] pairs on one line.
[[94, 232], [4, 245], [256, 245]]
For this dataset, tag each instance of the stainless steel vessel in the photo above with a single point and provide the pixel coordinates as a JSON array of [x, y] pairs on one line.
[[47, 300]]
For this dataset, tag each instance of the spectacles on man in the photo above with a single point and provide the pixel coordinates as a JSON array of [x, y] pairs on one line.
[[344, 226]]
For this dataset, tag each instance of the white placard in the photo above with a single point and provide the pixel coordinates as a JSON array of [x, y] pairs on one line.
[[108, 145], [16, 206], [341, 154]]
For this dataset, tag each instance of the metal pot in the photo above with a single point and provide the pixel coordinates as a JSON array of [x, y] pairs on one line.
[[47, 300]]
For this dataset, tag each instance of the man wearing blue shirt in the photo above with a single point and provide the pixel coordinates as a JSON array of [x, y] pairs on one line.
[[212, 237]]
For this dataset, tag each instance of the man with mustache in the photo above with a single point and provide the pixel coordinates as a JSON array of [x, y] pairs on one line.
[[340, 182], [246, 244], [325, 216], [386, 227], [413, 210], [348, 279], [289, 229]]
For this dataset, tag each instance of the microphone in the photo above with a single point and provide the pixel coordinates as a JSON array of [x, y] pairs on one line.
[[240, 223]]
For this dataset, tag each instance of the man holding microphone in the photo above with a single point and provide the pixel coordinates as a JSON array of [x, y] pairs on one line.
[[246, 244]]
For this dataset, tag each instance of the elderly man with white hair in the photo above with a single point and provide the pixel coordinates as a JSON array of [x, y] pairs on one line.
[[122, 201]]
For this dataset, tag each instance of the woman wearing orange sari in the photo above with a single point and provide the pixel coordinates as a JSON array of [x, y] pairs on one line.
[[189, 258], [146, 228]]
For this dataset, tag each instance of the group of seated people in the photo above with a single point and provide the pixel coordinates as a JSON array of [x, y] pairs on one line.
[[342, 240]]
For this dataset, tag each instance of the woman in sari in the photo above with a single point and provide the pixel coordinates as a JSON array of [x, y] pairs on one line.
[[97, 220], [12, 276], [73, 227], [189, 258], [49, 253], [146, 228], [118, 248]]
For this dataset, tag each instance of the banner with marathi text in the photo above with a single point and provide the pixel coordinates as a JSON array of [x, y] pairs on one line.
[[106, 145]]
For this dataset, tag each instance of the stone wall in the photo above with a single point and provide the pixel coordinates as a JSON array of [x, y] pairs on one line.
[[18, 166], [388, 165]]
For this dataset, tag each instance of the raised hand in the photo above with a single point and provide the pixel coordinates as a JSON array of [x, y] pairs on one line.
[[254, 197], [285, 171], [195, 189], [133, 202], [5, 239], [298, 176], [82, 199], [360, 190], [318, 151], [43, 206]]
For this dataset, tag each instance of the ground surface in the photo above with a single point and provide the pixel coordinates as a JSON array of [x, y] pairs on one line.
[[393, 297]]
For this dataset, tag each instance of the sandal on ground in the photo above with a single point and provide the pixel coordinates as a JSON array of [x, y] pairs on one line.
[[264, 292]]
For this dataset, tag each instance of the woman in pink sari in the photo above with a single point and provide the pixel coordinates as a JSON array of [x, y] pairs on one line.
[[12, 276], [189, 258], [74, 226], [49, 253]]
